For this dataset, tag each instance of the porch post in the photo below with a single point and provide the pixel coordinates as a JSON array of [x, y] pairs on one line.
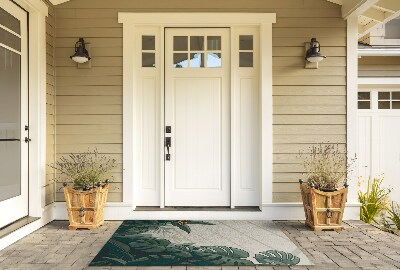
[[352, 88]]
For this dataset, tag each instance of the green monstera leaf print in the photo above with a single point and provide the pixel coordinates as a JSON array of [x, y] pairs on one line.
[[220, 255], [276, 257]]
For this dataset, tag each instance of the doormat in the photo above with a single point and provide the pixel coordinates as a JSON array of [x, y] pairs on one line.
[[199, 243]]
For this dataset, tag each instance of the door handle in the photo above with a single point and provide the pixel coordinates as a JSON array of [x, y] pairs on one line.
[[168, 145], [10, 140]]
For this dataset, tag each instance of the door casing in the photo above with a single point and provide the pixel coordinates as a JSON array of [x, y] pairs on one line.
[[136, 23]]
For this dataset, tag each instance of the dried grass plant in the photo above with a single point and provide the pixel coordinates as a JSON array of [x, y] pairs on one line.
[[326, 167], [85, 169]]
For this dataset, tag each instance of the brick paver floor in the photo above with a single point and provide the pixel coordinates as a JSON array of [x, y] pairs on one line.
[[358, 246]]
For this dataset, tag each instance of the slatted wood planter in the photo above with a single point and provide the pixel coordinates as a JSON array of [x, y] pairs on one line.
[[86, 208], [323, 210]]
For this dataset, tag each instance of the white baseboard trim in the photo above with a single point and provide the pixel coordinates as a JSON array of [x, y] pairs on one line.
[[270, 211], [47, 216]]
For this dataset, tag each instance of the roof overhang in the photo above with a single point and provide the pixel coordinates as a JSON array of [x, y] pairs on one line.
[[382, 51], [371, 13]]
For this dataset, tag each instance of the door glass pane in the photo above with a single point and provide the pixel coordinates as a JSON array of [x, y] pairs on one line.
[[10, 123], [383, 105], [364, 95], [148, 43], [396, 105], [396, 95], [180, 43], [245, 42], [197, 60], [214, 43], [10, 40], [148, 59], [9, 21], [180, 60], [214, 60], [384, 95], [245, 59], [196, 43], [364, 105]]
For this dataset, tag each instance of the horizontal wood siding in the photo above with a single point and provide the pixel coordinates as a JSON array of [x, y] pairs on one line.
[[309, 104], [379, 66], [49, 187]]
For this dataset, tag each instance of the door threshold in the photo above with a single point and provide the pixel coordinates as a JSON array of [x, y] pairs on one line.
[[9, 229], [195, 209]]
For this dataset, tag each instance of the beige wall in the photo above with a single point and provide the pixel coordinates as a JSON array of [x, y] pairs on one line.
[[309, 105], [379, 66], [50, 105]]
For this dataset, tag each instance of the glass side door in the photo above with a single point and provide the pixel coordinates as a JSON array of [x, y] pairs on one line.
[[13, 113]]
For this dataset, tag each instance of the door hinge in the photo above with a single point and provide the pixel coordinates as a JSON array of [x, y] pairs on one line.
[[27, 140]]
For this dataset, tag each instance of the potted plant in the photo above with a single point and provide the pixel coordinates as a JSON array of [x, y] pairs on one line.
[[87, 196], [324, 192]]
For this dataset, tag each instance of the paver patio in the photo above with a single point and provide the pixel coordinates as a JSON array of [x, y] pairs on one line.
[[358, 246]]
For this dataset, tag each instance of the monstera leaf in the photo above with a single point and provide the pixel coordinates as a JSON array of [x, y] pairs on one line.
[[275, 257], [219, 255], [113, 253]]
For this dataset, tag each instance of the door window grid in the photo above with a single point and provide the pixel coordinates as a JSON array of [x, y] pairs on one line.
[[197, 52], [246, 50], [389, 100], [378, 100], [364, 100], [148, 51]]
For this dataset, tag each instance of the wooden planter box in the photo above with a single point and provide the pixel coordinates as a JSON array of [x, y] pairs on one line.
[[86, 208], [323, 210]]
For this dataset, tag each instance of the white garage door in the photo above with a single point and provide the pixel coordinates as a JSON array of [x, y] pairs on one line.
[[379, 136]]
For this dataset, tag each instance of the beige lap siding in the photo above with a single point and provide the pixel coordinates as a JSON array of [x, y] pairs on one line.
[[49, 187], [379, 66], [309, 104]]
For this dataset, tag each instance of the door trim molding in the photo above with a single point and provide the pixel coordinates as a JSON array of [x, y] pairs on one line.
[[131, 119], [37, 12]]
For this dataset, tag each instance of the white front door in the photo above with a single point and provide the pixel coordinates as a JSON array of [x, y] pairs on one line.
[[379, 133], [13, 113], [197, 110]]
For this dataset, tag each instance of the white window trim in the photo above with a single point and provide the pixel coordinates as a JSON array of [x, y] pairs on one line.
[[131, 156]]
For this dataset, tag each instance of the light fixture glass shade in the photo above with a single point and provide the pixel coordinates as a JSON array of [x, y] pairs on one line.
[[79, 59], [81, 54], [313, 54]]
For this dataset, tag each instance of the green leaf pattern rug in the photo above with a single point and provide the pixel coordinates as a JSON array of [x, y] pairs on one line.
[[199, 243]]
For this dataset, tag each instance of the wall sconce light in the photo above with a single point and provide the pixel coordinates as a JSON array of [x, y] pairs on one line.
[[313, 55], [81, 54]]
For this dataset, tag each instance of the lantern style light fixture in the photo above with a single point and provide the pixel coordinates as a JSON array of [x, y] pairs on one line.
[[313, 54], [81, 54]]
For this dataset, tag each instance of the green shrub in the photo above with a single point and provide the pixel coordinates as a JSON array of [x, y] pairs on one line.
[[393, 214], [374, 200]]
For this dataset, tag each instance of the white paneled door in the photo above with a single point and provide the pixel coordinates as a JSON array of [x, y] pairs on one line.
[[197, 117], [13, 113], [379, 133]]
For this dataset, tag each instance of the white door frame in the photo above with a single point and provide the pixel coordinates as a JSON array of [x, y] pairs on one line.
[[17, 207], [131, 118], [37, 12]]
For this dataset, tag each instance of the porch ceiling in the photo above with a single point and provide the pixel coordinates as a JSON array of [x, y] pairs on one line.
[[371, 13]]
